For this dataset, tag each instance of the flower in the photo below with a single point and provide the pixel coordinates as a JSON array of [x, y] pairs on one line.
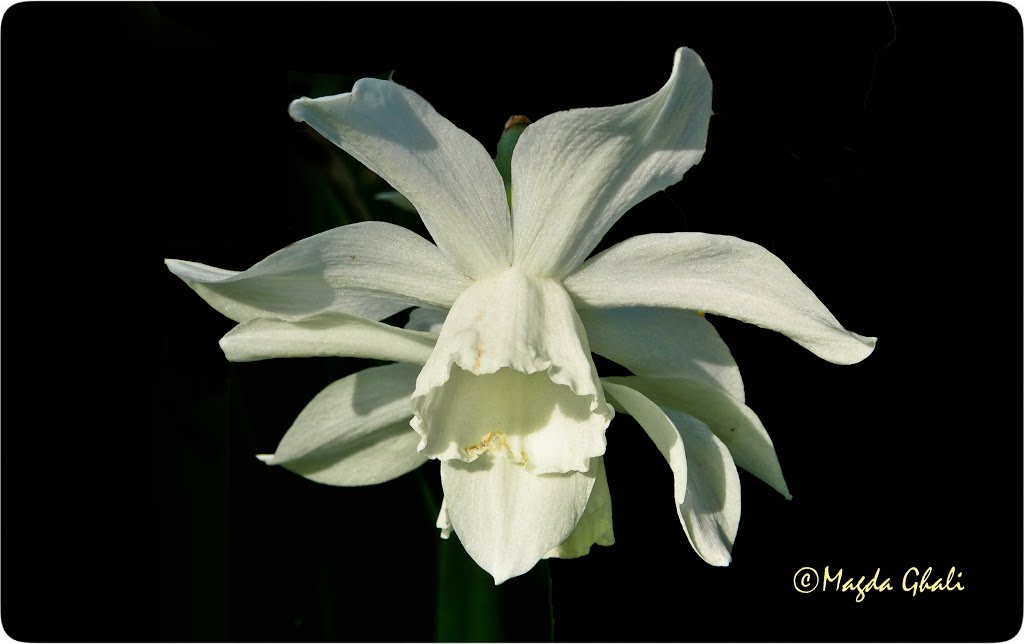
[[494, 370]]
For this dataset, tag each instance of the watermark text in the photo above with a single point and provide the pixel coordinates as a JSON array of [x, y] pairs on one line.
[[914, 581]]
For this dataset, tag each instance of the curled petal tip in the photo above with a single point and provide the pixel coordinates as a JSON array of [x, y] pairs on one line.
[[870, 344], [685, 52], [173, 265], [295, 109], [863, 347], [265, 458]]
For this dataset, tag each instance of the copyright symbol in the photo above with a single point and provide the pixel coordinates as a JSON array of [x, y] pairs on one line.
[[805, 580]]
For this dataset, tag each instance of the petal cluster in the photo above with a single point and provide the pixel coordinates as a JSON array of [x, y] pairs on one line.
[[494, 375]]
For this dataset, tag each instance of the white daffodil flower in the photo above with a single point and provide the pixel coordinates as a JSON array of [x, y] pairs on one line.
[[494, 371]]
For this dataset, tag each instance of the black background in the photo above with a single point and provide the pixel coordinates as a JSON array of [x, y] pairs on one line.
[[876, 149]]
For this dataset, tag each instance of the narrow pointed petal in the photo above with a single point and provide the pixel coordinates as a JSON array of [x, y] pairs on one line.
[[575, 173], [356, 431], [717, 274], [664, 343], [370, 269], [711, 511], [325, 335], [388, 454], [707, 487], [444, 173], [443, 523], [732, 422], [506, 517], [512, 374], [595, 527], [658, 426]]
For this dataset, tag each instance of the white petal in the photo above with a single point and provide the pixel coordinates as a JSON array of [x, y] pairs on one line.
[[445, 173], [663, 342], [443, 523], [512, 373], [388, 454], [575, 173], [371, 269], [595, 527], [506, 517], [430, 320], [707, 487], [718, 274], [732, 422], [711, 511], [657, 425], [327, 334], [355, 431]]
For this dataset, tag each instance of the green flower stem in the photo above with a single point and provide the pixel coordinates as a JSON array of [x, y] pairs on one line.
[[468, 602], [470, 608]]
